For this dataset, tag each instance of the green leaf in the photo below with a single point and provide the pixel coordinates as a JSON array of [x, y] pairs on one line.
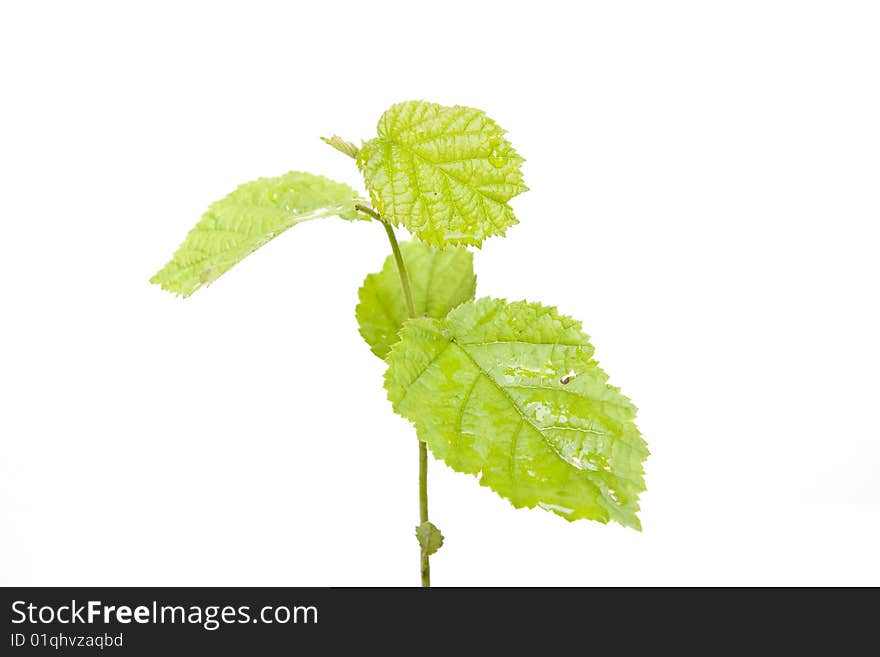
[[253, 214], [441, 280], [430, 538], [445, 173], [511, 391]]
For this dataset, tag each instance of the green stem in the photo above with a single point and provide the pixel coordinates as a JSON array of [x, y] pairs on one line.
[[423, 449], [401, 270], [423, 508]]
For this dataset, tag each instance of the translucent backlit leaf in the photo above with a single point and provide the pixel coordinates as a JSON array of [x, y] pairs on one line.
[[253, 214], [441, 280], [445, 173], [510, 391]]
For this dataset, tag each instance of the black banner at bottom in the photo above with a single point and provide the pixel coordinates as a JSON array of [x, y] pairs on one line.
[[170, 621]]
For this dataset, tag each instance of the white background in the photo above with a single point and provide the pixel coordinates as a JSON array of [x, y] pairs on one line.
[[704, 196]]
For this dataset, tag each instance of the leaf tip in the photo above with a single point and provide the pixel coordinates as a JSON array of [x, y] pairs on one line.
[[342, 145]]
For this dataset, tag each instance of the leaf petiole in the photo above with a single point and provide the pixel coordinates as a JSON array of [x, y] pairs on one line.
[[398, 258], [404, 277]]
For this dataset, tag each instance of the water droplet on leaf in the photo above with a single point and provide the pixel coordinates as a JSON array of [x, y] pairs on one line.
[[496, 160]]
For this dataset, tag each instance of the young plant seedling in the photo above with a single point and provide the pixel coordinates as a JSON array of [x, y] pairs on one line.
[[507, 391]]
